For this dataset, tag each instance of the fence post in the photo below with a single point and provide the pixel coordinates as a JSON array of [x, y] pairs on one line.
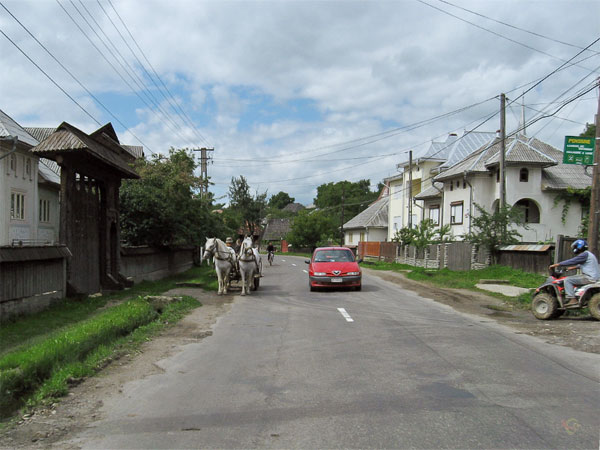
[[446, 255], [558, 248]]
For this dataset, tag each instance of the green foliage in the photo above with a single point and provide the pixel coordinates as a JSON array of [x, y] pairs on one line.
[[356, 197], [582, 196], [590, 130], [404, 236], [311, 229], [444, 233], [22, 371], [424, 234], [163, 206], [280, 200], [493, 230], [245, 210]]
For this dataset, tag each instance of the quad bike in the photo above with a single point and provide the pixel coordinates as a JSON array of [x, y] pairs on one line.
[[549, 302]]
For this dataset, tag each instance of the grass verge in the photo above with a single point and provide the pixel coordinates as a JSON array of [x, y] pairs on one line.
[[75, 338], [469, 278]]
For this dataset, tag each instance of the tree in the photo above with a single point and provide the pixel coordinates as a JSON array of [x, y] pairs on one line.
[[311, 229], [244, 208], [590, 130], [424, 234], [162, 207], [280, 200], [355, 197], [494, 230]]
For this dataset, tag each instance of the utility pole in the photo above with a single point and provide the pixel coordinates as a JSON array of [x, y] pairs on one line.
[[502, 149], [204, 158], [342, 225], [594, 225], [410, 189]]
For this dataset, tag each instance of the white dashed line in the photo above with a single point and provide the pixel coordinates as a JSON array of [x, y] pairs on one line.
[[304, 270], [293, 264], [283, 260], [346, 315]]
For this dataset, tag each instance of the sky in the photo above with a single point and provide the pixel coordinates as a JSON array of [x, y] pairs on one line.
[[295, 94]]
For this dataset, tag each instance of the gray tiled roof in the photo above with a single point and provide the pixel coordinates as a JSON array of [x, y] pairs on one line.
[[8, 127], [430, 192], [49, 170], [456, 148], [40, 133], [293, 207], [523, 150], [276, 229], [375, 215]]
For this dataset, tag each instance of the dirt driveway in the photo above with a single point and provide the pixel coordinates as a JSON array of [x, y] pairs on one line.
[[53, 427], [581, 333]]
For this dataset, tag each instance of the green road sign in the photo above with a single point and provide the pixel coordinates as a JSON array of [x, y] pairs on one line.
[[579, 150]]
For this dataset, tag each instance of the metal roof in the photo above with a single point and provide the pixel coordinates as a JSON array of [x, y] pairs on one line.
[[430, 192], [68, 139], [457, 148], [40, 133], [8, 127], [374, 216]]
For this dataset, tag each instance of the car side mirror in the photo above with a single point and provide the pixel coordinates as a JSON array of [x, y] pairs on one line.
[[307, 261]]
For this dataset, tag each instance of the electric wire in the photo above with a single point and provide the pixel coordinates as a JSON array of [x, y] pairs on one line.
[[76, 79], [170, 95]]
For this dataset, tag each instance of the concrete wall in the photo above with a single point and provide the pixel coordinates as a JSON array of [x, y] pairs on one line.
[[145, 263]]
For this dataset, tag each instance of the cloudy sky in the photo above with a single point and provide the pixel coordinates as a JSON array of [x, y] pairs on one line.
[[294, 94]]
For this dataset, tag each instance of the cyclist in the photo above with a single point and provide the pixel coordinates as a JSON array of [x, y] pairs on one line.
[[270, 252]]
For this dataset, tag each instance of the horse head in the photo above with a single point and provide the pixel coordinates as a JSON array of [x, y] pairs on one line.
[[209, 248], [246, 248]]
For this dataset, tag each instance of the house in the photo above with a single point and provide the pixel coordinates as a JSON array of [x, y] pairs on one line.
[[275, 231], [534, 175], [293, 207], [29, 186], [405, 205], [371, 225]]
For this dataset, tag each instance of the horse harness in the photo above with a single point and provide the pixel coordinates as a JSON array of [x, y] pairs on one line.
[[216, 254]]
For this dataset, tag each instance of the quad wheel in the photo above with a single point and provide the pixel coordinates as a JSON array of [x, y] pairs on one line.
[[594, 306], [545, 306]]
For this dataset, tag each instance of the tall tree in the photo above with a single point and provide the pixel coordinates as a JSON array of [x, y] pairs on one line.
[[311, 229], [163, 207], [280, 200], [354, 196], [249, 210]]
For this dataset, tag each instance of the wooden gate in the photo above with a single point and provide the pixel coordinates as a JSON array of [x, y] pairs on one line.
[[459, 255]]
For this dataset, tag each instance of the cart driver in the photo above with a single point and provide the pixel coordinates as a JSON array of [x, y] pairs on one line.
[[590, 272], [229, 243]]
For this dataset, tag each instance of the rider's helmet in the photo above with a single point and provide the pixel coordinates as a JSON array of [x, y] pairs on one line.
[[579, 246], [229, 241]]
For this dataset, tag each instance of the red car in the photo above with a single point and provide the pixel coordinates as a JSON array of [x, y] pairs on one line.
[[332, 267]]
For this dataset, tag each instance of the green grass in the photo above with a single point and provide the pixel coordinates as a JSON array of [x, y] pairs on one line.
[[468, 279], [27, 330], [41, 354]]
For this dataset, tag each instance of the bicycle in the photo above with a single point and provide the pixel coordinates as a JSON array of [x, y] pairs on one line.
[[270, 257]]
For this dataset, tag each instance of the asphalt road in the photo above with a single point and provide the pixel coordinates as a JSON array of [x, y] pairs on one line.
[[286, 368]]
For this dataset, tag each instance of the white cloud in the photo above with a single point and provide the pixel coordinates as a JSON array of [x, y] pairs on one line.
[[265, 80]]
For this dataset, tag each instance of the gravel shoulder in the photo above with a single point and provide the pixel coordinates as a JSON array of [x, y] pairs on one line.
[[50, 427]]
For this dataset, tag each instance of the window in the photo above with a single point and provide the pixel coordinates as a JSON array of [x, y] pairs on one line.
[[452, 185], [397, 222], [45, 211], [434, 214], [350, 237], [464, 184], [524, 175], [362, 237], [456, 213], [17, 206], [28, 168], [531, 212], [13, 163]]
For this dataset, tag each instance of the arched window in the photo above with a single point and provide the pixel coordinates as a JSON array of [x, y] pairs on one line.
[[531, 212], [524, 175]]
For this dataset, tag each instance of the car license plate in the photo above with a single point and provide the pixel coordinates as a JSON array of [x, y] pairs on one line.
[[336, 280]]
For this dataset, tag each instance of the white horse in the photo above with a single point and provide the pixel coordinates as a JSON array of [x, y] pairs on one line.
[[224, 258], [250, 265]]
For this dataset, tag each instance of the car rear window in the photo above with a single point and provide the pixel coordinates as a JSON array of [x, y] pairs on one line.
[[334, 256]]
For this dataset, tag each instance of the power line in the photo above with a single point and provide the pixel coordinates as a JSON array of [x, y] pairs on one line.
[[190, 122], [511, 26], [490, 31], [75, 78]]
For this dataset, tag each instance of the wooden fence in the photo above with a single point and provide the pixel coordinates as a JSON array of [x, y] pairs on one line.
[[32, 278]]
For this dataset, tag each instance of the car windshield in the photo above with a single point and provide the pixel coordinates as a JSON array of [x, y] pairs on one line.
[[334, 256]]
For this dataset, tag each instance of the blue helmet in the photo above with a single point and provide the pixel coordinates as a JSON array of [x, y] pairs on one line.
[[579, 246]]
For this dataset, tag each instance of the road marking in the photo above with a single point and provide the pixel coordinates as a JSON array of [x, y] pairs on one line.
[[346, 315], [304, 270], [283, 260], [293, 264]]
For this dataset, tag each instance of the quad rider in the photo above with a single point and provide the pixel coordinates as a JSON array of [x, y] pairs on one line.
[[590, 272]]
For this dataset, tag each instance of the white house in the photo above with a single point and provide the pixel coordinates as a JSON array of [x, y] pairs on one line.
[[29, 190], [535, 175], [369, 225], [406, 205]]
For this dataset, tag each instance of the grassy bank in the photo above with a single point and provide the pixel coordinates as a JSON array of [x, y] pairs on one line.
[[44, 353], [467, 279]]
